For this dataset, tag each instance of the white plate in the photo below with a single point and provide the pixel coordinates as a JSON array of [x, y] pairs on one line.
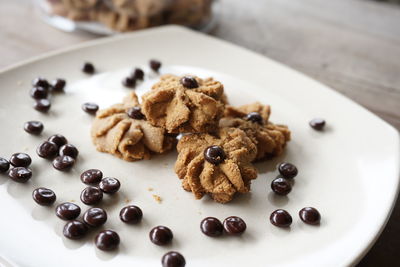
[[349, 172]]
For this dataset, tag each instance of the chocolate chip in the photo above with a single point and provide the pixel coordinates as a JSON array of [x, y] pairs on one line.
[[287, 170], [211, 226], [20, 174], [40, 82], [88, 68], [63, 163], [44, 196], [4, 165], [69, 150], [254, 117], [155, 65], [95, 217], [310, 215], [20, 160], [109, 185], [135, 113], [58, 85], [91, 176], [42, 105], [47, 150], [91, 195], [75, 230], [234, 225], [131, 214], [58, 139], [107, 240], [161, 235], [173, 259], [281, 186], [39, 92], [129, 82], [138, 74], [189, 82], [90, 108], [214, 154], [281, 218], [33, 127], [68, 211], [318, 124]]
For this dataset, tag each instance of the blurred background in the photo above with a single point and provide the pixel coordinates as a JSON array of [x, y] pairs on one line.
[[352, 46]]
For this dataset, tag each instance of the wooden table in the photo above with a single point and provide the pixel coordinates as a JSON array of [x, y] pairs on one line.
[[351, 45]]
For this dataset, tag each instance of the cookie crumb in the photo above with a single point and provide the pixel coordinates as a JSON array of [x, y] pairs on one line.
[[157, 198], [127, 200], [72, 201], [150, 189]]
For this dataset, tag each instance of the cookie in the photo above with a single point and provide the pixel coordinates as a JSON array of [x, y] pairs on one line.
[[141, 8], [193, 13], [117, 21], [61, 8], [269, 138], [80, 4], [185, 104], [129, 15], [129, 137], [223, 176]]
